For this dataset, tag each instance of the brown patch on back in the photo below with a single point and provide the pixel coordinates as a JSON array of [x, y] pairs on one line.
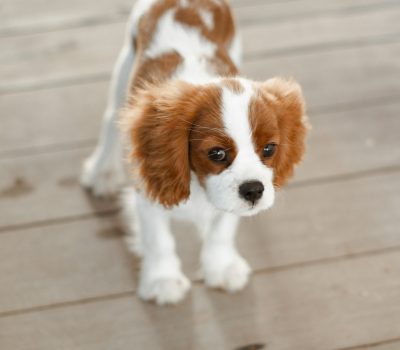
[[161, 68], [148, 23], [221, 34], [155, 70], [223, 28], [233, 85], [277, 116]]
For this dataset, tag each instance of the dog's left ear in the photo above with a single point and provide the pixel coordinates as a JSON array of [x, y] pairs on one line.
[[158, 121], [287, 100]]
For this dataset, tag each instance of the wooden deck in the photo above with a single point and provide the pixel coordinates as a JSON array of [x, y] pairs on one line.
[[326, 259]]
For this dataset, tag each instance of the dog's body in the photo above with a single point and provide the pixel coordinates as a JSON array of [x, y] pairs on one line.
[[206, 146]]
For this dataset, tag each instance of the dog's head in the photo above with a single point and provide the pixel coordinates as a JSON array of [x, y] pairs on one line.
[[241, 140]]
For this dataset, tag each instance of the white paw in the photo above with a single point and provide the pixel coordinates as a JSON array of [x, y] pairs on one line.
[[164, 291], [231, 276], [102, 180]]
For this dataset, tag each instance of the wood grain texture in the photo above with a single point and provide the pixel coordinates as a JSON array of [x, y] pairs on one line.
[[325, 306], [343, 142], [35, 59], [70, 261], [337, 78], [19, 17], [45, 187], [301, 33], [384, 345], [326, 256], [49, 118], [326, 84], [63, 262]]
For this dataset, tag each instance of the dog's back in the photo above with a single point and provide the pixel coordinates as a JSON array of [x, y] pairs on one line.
[[189, 39]]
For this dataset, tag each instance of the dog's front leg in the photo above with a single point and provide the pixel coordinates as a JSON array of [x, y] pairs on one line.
[[161, 278], [222, 266]]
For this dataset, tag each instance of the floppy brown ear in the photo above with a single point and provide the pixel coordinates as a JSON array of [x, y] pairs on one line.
[[159, 121], [289, 106]]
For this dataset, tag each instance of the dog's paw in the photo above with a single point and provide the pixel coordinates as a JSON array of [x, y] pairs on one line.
[[230, 276], [102, 180], [164, 291]]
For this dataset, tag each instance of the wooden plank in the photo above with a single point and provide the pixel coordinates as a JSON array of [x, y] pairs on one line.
[[340, 144], [275, 11], [333, 219], [49, 118], [301, 32], [44, 187], [59, 55], [338, 77], [85, 259], [20, 17], [352, 140], [63, 262], [384, 345], [325, 83], [326, 306], [44, 58]]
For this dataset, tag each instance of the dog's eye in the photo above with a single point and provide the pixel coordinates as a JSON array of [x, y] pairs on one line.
[[218, 155], [269, 150]]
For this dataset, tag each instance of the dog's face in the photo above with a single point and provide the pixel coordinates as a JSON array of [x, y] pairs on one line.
[[241, 139]]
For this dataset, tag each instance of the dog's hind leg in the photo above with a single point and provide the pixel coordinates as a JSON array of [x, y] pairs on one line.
[[103, 172]]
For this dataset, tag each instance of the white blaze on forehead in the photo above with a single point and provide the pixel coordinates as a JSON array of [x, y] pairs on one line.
[[223, 189], [236, 118], [247, 165]]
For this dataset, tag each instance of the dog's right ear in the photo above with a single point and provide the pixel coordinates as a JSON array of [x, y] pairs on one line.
[[158, 121]]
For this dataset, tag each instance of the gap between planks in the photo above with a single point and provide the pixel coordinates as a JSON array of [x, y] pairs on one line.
[[267, 270], [304, 183], [374, 345], [89, 143], [121, 17], [383, 40]]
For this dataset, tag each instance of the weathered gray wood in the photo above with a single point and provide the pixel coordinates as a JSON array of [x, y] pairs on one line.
[[78, 108], [44, 187], [352, 140], [38, 59], [326, 306], [20, 17], [341, 143], [301, 32], [63, 262], [338, 77], [72, 261], [59, 55], [279, 11], [48, 118], [384, 345]]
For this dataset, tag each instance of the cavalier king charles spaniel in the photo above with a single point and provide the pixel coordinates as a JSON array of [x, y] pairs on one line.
[[205, 145]]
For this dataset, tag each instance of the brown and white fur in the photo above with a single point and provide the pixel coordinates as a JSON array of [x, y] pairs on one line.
[[206, 146]]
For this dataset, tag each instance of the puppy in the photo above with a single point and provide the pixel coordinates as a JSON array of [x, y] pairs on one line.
[[205, 145]]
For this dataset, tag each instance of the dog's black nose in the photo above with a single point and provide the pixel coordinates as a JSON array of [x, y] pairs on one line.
[[251, 191]]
